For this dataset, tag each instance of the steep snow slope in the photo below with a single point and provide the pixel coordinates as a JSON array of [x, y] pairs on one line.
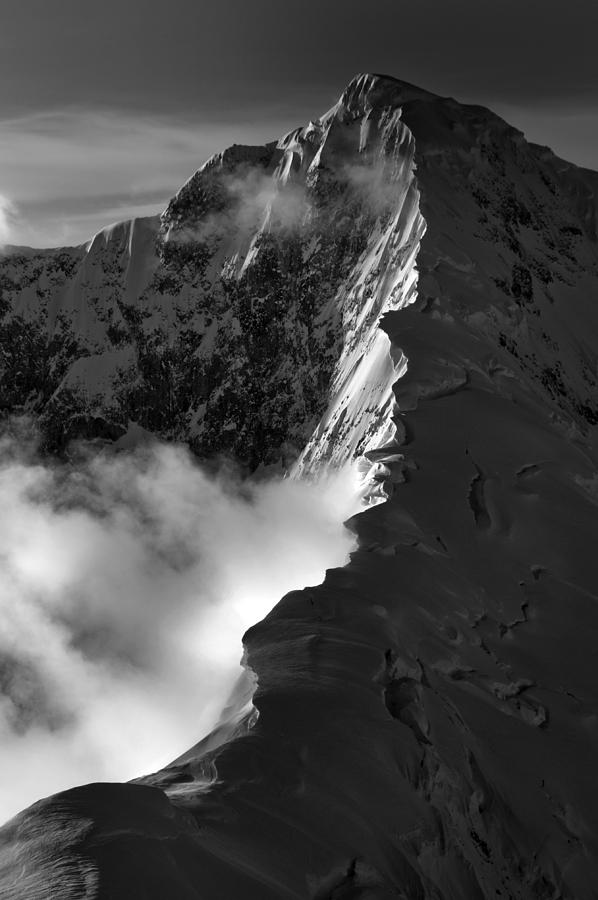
[[428, 717]]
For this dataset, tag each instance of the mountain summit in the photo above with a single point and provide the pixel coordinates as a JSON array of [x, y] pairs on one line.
[[427, 718]]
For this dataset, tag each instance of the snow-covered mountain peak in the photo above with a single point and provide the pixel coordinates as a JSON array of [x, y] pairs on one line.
[[267, 274], [231, 319], [427, 716], [368, 91]]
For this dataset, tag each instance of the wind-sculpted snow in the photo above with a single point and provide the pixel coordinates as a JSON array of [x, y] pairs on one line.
[[427, 716]]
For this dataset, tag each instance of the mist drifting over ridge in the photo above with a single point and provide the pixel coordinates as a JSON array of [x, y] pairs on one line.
[[127, 582]]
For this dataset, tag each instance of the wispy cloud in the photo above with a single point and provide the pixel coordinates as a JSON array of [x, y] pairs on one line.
[[373, 183], [254, 198], [6, 220]]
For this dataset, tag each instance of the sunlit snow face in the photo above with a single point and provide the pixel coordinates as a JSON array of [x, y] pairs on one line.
[[126, 584]]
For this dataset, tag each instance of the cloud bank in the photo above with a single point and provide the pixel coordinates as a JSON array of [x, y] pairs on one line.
[[126, 583]]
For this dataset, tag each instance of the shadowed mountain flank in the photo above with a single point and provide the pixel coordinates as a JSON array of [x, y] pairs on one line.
[[428, 717]]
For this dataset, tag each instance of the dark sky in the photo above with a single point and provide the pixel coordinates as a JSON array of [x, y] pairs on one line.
[[105, 107]]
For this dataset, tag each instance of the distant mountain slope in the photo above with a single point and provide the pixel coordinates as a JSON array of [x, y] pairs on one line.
[[428, 717]]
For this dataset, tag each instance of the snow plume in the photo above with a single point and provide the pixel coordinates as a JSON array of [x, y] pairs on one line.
[[126, 583]]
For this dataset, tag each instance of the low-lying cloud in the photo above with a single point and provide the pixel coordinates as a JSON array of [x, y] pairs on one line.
[[126, 583]]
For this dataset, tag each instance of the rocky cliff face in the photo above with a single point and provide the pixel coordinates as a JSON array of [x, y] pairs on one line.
[[428, 716]]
